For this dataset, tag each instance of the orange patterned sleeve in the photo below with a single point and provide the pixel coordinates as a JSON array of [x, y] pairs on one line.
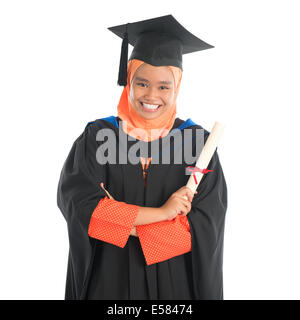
[[164, 240], [112, 221]]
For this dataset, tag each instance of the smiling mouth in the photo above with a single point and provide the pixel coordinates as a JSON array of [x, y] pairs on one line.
[[150, 107]]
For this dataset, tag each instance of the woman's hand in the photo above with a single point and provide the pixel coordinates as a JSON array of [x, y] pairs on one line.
[[133, 232], [176, 204]]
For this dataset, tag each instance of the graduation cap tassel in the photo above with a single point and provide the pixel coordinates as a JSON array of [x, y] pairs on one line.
[[122, 80]]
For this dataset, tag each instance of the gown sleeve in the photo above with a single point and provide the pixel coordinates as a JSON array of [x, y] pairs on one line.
[[164, 240], [84, 203], [199, 231], [78, 189], [112, 221], [207, 222]]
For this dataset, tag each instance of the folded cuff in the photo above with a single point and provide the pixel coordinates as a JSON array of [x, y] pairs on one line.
[[112, 221], [164, 240]]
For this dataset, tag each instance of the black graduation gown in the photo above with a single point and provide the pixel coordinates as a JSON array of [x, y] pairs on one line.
[[100, 270]]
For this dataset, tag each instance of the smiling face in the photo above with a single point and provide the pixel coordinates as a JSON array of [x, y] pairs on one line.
[[152, 91]]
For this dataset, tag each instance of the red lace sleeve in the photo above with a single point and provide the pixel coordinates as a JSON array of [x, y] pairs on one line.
[[164, 240], [112, 221]]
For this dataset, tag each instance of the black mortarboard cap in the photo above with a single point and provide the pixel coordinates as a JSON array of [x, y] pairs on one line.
[[160, 42]]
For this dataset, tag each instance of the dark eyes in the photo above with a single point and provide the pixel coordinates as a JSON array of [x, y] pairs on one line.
[[164, 87], [144, 85], [141, 84]]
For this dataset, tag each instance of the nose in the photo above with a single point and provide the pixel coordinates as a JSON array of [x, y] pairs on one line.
[[150, 94]]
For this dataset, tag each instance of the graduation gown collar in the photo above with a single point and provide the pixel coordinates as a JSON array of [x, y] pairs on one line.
[[178, 123]]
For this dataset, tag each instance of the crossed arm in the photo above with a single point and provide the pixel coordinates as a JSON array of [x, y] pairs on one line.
[[162, 232]]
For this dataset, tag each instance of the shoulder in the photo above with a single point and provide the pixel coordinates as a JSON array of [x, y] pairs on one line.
[[107, 122], [192, 125], [93, 127]]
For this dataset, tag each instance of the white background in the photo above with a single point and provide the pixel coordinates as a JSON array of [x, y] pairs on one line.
[[58, 71]]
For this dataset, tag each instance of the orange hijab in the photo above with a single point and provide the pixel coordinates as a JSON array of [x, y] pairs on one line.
[[153, 128]]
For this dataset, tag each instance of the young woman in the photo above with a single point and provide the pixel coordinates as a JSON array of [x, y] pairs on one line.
[[132, 234]]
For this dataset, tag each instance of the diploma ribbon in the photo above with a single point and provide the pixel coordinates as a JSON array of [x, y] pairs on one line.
[[196, 169]]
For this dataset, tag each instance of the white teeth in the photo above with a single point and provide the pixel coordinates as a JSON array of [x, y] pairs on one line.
[[150, 106]]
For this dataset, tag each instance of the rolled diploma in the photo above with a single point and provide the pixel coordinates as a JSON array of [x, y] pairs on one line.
[[206, 155]]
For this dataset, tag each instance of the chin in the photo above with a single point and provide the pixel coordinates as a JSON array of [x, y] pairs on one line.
[[150, 117]]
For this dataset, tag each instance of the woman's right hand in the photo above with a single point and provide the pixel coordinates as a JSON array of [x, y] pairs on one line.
[[176, 204]]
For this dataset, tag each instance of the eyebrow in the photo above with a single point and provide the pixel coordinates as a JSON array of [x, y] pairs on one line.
[[145, 80]]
